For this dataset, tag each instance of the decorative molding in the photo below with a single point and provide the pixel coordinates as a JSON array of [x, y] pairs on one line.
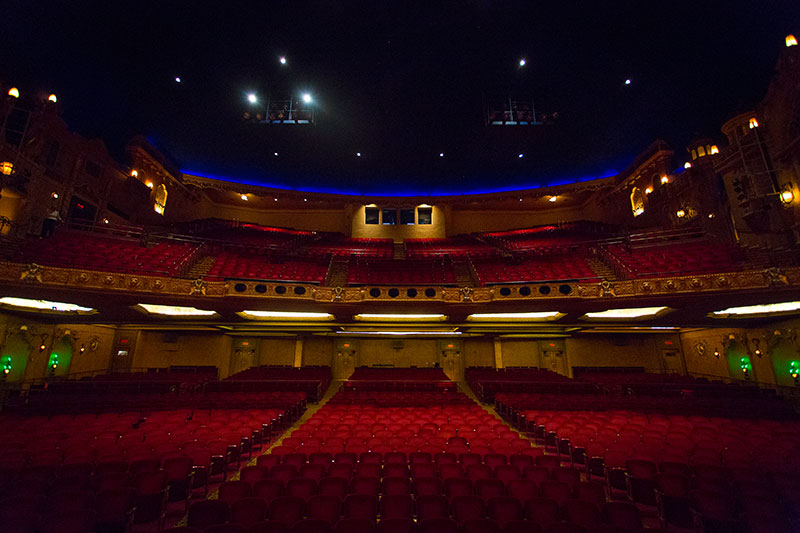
[[91, 280]]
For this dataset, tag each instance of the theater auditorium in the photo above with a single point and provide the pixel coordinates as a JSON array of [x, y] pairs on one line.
[[186, 352]]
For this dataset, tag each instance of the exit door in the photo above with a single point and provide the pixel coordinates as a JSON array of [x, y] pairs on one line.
[[453, 365], [344, 364], [555, 361]]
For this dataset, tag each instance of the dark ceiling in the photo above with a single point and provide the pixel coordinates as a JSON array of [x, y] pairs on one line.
[[399, 82]]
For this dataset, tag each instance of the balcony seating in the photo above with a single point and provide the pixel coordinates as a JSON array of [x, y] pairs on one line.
[[338, 245], [572, 266], [314, 381], [400, 272], [233, 265], [683, 258], [92, 251], [460, 245]]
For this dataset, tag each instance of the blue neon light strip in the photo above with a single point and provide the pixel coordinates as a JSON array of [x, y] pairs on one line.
[[396, 194]]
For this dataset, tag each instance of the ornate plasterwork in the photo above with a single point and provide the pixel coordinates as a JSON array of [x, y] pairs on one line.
[[773, 278]]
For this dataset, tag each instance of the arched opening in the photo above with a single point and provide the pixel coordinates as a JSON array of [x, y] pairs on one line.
[[740, 366], [160, 199], [15, 354], [637, 201], [60, 357], [783, 354]]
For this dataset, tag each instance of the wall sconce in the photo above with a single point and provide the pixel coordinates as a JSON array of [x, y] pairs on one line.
[[82, 348], [787, 194], [757, 351]]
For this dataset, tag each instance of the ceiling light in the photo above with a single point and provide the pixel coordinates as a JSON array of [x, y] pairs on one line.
[[358, 154], [538, 316], [306, 98], [520, 156], [441, 154], [628, 81], [400, 317], [282, 60], [399, 333], [522, 62], [632, 312], [252, 98], [13, 92], [177, 79], [275, 154], [244, 197], [284, 315], [174, 310], [552, 199], [44, 305], [762, 309]]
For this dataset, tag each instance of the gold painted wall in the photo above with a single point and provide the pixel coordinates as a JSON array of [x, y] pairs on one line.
[[191, 349], [277, 351], [435, 230], [520, 353], [317, 351], [306, 219], [414, 352], [466, 221], [478, 352], [597, 350], [90, 361]]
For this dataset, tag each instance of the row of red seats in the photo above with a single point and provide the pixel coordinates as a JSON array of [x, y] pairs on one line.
[[400, 272], [676, 258], [398, 374], [545, 268], [72, 249], [339, 245], [229, 264], [396, 394], [455, 246]]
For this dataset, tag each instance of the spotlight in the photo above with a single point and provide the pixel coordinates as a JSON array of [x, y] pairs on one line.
[[13, 92], [628, 81], [275, 199], [787, 195], [441, 154], [105, 221], [275, 154], [306, 98], [282, 60], [54, 195], [358, 154], [522, 62], [711, 215], [252, 98], [52, 98], [520, 156], [552, 199], [305, 199], [244, 197]]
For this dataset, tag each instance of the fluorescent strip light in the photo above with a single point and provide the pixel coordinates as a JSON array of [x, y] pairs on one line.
[[400, 317], [174, 310], [515, 317], [437, 333], [284, 315], [765, 309], [632, 312], [44, 305]]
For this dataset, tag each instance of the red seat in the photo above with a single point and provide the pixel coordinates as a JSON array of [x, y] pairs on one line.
[[397, 506], [323, 507], [432, 506], [287, 509], [205, 513], [248, 511], [360, 506]]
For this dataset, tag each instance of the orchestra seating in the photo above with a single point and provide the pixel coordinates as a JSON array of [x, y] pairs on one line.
[[460, 245], [532, 268], [486, 382], [312, 380], [113, 471], [432, 271], [684, 258], [232, 265], [399, 379], [92, 251]]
